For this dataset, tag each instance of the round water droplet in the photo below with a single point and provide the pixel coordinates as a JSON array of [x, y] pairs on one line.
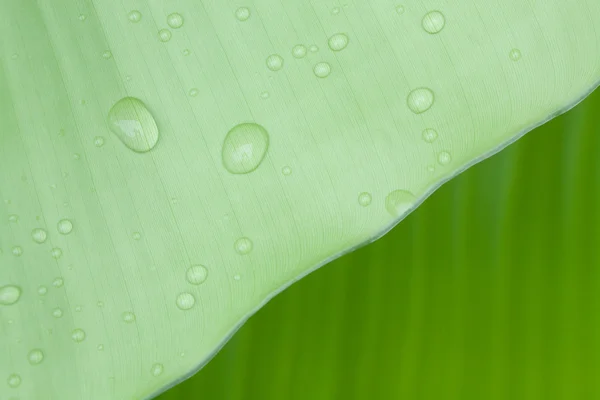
[[39, 235], [444, 158], [196, 274], [13, 218], [242, 13], [156, 369], [243, 245], [133, 124], [274, 62], [299, 51], [185, 301], [78, 335], [9, 294], [194, 92], [136, 236], [420, 100], [364, 199], [338, 42], [175, 20], [128, 317], [322, 70], [134, 16], [42, 290], [515, 54], [56, 253], [164, 35], [35, 356], [64, 226], [14, 380], [398, 202], [433, 22], [287, 171], [57, 312], [429, 135], [17, 251], [107, 55], [400, 9], [58, 282], [98, 141], [100, 347], [313, 48], [244, 148]]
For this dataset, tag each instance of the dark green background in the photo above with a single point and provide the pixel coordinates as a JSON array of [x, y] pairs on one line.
[[488, 291]]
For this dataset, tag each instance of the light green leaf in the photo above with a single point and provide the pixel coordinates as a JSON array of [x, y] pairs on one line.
[[288, 134]]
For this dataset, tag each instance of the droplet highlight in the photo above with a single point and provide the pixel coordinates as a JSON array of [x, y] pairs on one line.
[[196, 274], [133, 124], [420, 100], [243, 245], [9, 295], [185, 301], [244, 148], [433, 22], [338, 42], [398, 202]]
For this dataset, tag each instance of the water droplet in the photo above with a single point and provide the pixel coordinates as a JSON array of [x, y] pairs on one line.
[[164, 35], [335, 10], [17, 251], [39, 235], [186, 52], [244, 148], [433, 22], [265, 95], [57, 312], [82, 17], [243, 245], [128, 317], [134, 16], [64, 226], [313, 48], [175, 20], [420, 100], [42, 290], [157, 369], [429, 135], [35, 356], [364, 199], [194, 92], [78, 335], [56, 253], [286, 170], [9, 294], [136, 236], [515, 54], [274, 62], [242, 13], [185, 301], [13, 218], [196, 274], [100, 347], [237, 277], [338, 42], [58, 282], [444, 158], [78, 309], [98, 141], [133, 124], [398, 202], [400, 9], [14, 380], [299, 51], [322, 70], [107, 55]]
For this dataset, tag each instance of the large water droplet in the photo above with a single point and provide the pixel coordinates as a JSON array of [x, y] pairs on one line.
[[14, 380], [433, 22], [364, 199], [338, 42], [299, 51], [243, 245], [420, 100], [64, 226], [242, 13], [322, 70], [429, 135], [35, 356], [398, 202], [164, 35], [78, 335], [196, 274], [133, 124], [134, 16], [244, 148], [39, 235], [9, 294], [157, 369], [274, 62], [185, 301], [175, 20]]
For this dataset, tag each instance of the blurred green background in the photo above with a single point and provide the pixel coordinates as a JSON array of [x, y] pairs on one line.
[[490, 290]]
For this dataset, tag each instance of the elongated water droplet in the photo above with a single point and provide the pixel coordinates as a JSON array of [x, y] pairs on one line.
[[196, 274], [242, 14], [429, 135], [420, 100], [515, 54], [338, 42], [35, 356], [299, 51], [39, 235], [78, 335], [9, 294], [364, 199], [164, 35], [175, 20], [133, 124], [398, 202], [185, 301], [134, 16], [433, 22], [157, 369], [243, 245], [64, 226], [274, 62], [244, 148], [14, 380], [322, 70]]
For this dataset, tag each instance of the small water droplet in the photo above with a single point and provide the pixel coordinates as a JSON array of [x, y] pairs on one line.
[[35, 356], [14, 380], [244, 148], [42, 290], [429, 135], [242, 14], [286, 170], [444, 158], [400, 9], [364, 199], [265, 95], [338, 42], [9, 294], [313, 48], [299, 51], [431, 168], [107, 55], [398, 202], [78, 309], [39, 235], [133, 124], [98, 141], [185, 301], [134, 16], [128, 317], [82, 17], [64, 226], [156, 369], [164, 35], [100, 304], [57, 312], [420, 100], [194, 92], [243, 245], [274, 62], [322, 70], [433, 22], [335, 10], [136, 236], [237, 277], [56, 253], [78, 335], [186, 52], [58, 282], [196, 274], [175, 20], [17, 251], [515, 54], [13, 218], [100, 347]]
